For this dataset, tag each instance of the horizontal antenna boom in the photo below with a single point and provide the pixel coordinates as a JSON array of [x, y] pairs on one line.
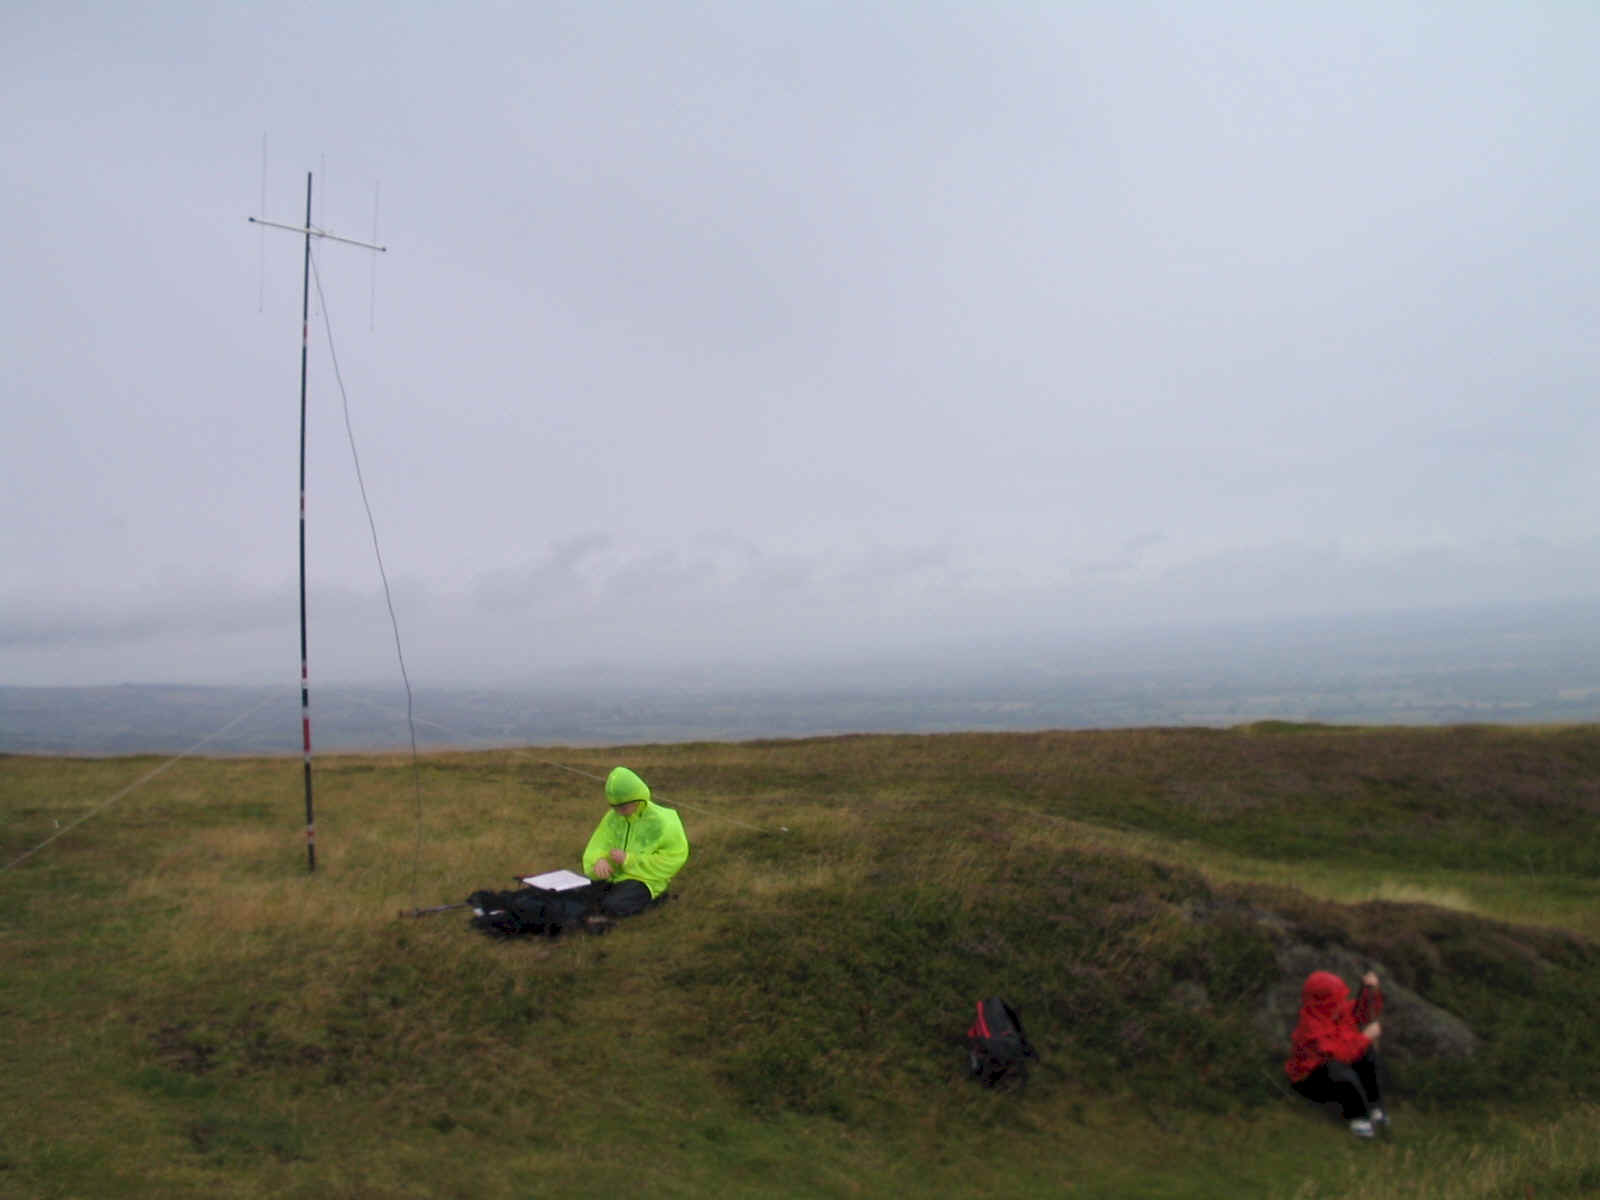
[[310, 231]]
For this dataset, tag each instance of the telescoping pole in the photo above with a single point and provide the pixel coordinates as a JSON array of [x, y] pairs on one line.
[[309, 232], [305, 677]]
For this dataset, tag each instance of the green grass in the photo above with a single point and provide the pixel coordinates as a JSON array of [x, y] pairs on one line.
[[186, 1013]]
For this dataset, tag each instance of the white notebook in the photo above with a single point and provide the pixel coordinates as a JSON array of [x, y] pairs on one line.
[[556, 881]]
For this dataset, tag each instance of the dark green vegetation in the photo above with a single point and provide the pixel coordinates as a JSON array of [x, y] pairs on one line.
[[186, 1013]]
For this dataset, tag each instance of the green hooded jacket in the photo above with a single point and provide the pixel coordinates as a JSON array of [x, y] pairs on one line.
[[652, 837]]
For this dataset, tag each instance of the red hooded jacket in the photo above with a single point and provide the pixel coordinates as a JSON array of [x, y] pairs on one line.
[[1330, 1026]]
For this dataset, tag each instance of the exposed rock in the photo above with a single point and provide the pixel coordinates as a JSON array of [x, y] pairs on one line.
[[1302, 942], [1413, 1028]]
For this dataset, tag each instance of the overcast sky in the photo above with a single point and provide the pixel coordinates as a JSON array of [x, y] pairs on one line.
[[723, 331]]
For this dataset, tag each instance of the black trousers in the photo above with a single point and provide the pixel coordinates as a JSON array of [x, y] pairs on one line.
[[625, 899], [1352, 1086], [608, 899]]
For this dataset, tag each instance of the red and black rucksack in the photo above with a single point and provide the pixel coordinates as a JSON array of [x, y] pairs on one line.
[[997, 1047]]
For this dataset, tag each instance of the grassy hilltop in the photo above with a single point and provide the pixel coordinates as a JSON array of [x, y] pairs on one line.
[[184, 1012]]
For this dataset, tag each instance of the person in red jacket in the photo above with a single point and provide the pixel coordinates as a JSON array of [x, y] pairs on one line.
[[1333, 1054]]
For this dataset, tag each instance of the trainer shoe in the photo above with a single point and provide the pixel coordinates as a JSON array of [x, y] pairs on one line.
[[1361, 1127], [1380, 1119]]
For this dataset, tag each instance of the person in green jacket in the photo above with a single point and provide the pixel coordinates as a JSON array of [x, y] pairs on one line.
[[636, 849]]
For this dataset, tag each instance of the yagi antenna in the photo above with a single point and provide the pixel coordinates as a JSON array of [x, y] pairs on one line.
[[308, 232]]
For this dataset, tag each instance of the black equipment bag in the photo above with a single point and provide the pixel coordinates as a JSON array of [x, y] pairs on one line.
[[531, 910], [998, 1049]]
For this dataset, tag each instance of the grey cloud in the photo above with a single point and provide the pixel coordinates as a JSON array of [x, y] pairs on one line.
[[111, 618], [602, 600], [762, 330]]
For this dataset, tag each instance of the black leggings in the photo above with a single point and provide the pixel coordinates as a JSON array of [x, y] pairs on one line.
[[1352, 1086]]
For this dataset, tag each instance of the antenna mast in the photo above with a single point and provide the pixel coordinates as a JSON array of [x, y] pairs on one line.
[[309, 232]]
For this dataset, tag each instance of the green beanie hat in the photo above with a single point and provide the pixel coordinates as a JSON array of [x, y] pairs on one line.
[[624, 787]]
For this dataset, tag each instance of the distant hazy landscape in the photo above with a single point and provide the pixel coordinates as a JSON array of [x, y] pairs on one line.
[[1490, 666]]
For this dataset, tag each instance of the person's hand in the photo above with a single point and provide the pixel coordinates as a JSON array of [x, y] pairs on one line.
[[1370, 979], [602, 868], [1372, 1032], [619, 857]]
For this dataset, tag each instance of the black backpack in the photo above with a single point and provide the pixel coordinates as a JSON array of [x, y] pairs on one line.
[[998, 1049], [529, 911]]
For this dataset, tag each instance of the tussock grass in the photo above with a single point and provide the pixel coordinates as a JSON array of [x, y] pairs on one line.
[[187, 1013], [1496, 1157]]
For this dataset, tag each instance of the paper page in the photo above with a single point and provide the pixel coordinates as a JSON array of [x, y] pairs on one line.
[[556, 881]]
